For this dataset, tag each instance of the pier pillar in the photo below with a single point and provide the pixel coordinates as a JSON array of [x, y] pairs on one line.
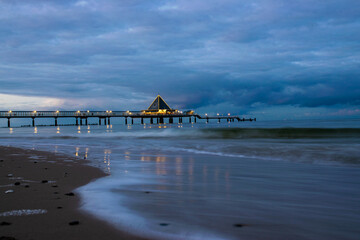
[[105, 121], [142, 120], [81, 121], [219, 120], [56, 123], [86, 121], [189, 119], [109, 120], [99, 121], [126, 121], [132, 120], [194, 119], [33, 122], [161, 120], [171, 120], [207, 120], [157, 120], [8, 122], [151, 121], [180, 119], [76, 121]]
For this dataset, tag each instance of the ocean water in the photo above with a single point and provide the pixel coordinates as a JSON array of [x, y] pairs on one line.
[[246, 180]]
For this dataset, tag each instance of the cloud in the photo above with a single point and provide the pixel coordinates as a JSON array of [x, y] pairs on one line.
[[198, 54]]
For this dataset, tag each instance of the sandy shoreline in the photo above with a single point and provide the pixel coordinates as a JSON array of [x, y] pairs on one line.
[[43, 194]]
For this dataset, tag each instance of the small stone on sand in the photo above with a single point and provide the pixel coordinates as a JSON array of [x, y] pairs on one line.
[[163, 224], [17, 183], [7, 238], [44, 181], [147, 192], [27, 186], [5, 224], [54, 186], [59, 207], [74, 223], [70, 194]]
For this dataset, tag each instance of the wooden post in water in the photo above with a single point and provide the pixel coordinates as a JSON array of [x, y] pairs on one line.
[[132, 120], [33, 122], [194, 119], [86, 121], [151, 121], [125, 120], [142, 121], [8, 122], [56, 123], [171, 120]]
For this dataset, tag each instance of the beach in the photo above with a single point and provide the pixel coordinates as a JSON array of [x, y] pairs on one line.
[[38, 201], [260, 180]]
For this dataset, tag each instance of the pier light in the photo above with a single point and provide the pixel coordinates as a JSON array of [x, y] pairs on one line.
[[10, 111], [205, 114], [107, 111], [217, 114], [57, 111], [88, 111], [228, 114], [78, 111], [110, 111], [34, 111]]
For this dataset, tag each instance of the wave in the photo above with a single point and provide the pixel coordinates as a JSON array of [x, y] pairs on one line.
[[211, 133]]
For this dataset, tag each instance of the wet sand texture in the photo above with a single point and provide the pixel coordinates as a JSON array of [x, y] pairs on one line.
[[37, 198]]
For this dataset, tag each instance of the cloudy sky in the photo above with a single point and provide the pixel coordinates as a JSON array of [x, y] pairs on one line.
[[272, 59]]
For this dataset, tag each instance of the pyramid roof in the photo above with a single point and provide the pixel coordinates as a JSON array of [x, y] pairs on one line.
[[158, 104]]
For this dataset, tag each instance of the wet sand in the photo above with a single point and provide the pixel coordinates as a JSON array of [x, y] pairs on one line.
[[37, 198]]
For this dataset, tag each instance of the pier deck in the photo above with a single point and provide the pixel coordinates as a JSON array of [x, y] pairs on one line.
[[107, 115]]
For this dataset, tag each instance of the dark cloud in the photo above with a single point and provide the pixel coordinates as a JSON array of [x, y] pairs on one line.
[[199, 54]]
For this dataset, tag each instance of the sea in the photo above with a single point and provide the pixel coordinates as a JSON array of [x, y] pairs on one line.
[[238, 180]]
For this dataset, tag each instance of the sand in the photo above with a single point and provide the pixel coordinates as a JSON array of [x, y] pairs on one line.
[[37, 198]]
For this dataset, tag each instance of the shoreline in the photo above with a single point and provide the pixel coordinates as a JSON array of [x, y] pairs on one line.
[[37, 198]]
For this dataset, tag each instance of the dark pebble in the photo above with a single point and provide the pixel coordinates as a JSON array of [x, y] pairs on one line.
[[74, 223], [59, 207], [17, 183], [46, 168], [5, 224], [44, 181], [164, 224], [56, 192], [54, 186], [35, 162], [239, 225], [70, 194], [7, 238], [27, 186], [147, 192], [1, 160]]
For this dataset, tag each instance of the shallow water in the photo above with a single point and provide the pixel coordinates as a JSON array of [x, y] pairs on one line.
[[274, 180]]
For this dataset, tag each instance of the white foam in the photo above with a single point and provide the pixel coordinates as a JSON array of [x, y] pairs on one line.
[[23, 212]]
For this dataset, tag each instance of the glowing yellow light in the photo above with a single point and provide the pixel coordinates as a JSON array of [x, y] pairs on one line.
[[217, 114], [228, 114], [78, 111], [110, 111], [57, 111], [10, 111], [34, 112], [88, 111], [205, 114]]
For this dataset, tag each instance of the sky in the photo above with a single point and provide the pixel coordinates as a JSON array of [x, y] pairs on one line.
[[270, 59]]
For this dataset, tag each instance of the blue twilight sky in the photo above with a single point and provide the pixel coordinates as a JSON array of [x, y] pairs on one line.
[[272, 59]]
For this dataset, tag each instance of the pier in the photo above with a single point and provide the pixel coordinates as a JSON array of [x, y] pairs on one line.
[[158, 113]]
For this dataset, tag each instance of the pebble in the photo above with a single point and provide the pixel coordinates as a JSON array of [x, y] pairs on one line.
[[17, 183], [59, 207], [54, 186], [44, 181], [164, 224], [74, 223], [7, 238], [239, 225], [27, 186], [5, 224], [70, 194]]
